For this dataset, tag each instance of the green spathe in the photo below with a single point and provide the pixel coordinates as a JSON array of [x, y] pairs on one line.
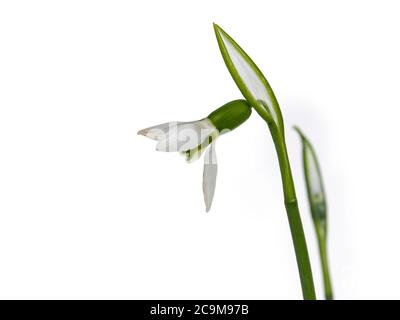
[[249, 79], [230, 115]]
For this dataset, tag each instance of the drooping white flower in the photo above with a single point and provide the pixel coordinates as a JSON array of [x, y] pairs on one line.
[[191, 139]]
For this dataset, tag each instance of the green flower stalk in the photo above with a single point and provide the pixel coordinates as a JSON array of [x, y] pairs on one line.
[[257, 91], [191, 139], [317, 202]]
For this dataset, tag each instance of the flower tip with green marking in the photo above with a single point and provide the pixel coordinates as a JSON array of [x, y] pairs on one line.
[[191, 139]]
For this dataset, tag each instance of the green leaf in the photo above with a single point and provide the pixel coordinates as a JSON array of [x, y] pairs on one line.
[[250, 80], [314, 183]]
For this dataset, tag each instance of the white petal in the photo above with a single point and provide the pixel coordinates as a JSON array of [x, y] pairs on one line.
[[186, 136], [209, 175], [157, 132]]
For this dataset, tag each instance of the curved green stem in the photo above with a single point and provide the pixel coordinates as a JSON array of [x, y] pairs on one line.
[[293, 214]]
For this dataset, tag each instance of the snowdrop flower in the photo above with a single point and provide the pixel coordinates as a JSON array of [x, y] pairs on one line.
[[193, 138]]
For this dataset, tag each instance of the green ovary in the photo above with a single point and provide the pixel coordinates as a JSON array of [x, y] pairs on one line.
[[230, 115]]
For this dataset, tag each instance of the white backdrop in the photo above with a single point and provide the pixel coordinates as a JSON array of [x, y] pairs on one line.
[[88, 209]]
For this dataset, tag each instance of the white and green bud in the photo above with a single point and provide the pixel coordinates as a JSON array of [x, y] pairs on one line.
[[318, 207], [314, 183], [192, 138]]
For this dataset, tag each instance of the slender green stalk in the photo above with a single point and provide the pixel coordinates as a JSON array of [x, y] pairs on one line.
[[293, 214], [325, 266], [257, 91]]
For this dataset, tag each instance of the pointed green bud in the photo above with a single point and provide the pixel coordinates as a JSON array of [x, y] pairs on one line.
[[314, 184], [249, 78], [230, 115], [318, 208]]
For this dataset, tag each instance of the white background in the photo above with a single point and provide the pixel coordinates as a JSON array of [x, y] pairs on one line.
[[88, 209]]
